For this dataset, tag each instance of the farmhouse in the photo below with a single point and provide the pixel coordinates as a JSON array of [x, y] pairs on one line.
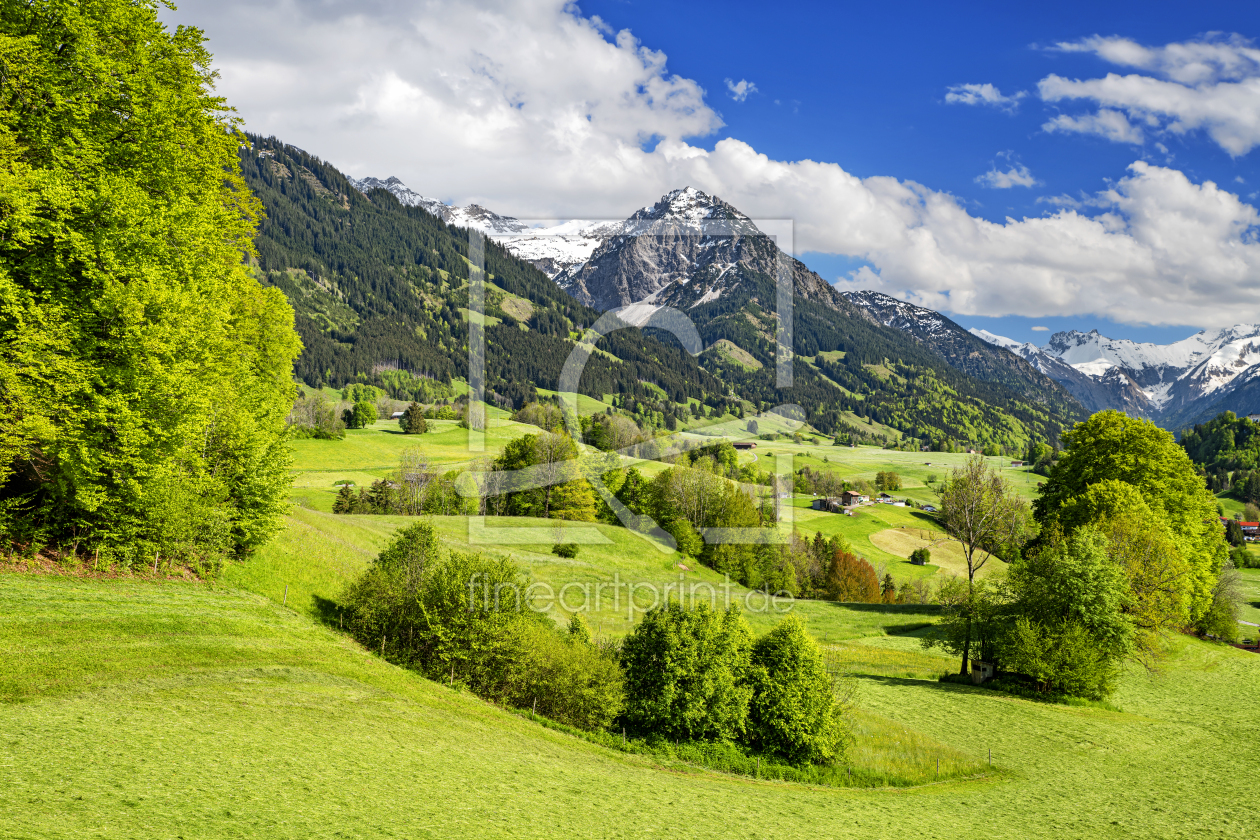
[[1251, 530], [744, 444], [850, 498]]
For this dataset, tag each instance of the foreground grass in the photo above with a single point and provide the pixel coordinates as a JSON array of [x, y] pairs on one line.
[[132, 709]]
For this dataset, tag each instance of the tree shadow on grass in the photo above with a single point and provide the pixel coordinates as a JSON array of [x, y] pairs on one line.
[[327, 612], [912, 682]]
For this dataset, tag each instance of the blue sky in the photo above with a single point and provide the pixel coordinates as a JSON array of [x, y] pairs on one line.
[[1087, 165], [865, 84]]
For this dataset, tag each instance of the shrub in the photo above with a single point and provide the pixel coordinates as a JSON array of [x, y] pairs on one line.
[[792, 712], [685, 672], [565, 550], [445, 614], [568, 679], [1066, 658], [920, 557]]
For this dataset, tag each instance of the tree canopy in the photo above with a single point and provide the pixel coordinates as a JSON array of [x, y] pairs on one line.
[[145, 375], [1109, 464]]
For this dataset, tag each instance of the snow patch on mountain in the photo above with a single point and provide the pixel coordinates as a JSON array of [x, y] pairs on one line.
[[551, 246], [998, 340]]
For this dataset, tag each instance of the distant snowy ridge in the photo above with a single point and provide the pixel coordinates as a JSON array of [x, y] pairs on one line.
[[1173, 378], [551, 248]]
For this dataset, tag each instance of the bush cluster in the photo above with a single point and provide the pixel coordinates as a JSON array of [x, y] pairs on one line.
[[683, 675]]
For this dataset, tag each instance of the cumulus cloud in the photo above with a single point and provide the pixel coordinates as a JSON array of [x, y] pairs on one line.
[[482, 103], [1211, 85], [740, 90], [1016, 174], [985, 94]]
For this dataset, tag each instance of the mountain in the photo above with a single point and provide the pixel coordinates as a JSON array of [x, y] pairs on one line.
[[1174, 384], [379, 290], [373, 267], [698, 254], [959, 348], [551, 248]]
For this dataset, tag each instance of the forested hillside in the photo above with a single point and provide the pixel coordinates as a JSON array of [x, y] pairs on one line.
[[1227, 452], [381, 288]]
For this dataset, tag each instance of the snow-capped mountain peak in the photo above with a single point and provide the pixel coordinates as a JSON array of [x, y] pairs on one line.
[[406, 197], [1171, 378]]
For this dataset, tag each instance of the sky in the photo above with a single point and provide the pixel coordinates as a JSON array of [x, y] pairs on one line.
[[1083, 166]]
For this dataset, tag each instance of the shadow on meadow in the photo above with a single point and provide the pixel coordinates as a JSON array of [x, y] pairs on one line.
[[327, 611]]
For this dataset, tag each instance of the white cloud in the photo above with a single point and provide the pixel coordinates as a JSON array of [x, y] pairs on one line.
[[985, 94], [1041, 329], [740, 90], [482, 103], [1112, 125], [1210, 85], [1015, 175]]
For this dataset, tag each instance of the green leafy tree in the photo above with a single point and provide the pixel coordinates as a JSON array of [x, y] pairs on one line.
[[412, 420], [793, 711], [360, 415], [973, 620], [1221, 617], [579, 630], [984, 513], [1061, 656], [686, 673], [1112, 446], [145, 376], [1074, 587], [567, 679], [689, 541]]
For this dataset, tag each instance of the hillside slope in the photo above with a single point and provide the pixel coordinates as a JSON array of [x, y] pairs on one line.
[[153, 710], [378, 287]]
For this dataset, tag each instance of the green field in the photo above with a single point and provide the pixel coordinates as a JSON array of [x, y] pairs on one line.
[[138, 709], [236, 709], [366, 455]]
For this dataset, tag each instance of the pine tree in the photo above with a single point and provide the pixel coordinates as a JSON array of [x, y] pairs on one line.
[[412, 420]]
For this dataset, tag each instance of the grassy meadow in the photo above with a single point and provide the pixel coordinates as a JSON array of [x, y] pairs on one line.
[[236, 709], [174, 709]]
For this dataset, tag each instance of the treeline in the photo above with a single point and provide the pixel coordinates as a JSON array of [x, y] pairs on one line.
[[1227, 452]]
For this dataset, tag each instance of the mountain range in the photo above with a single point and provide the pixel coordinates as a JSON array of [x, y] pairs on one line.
[[1175, 384], [696, 253], [661, 256]]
